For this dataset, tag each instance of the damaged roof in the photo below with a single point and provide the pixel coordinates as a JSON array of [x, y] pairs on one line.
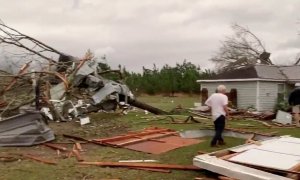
[[259, 72]]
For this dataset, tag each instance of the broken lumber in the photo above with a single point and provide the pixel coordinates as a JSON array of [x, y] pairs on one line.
[[46, 161], [153, 169], [8, 158], [78, 146], [82, 139], [225, 178], [56, 147], [142, 165], [77, 155], [267, 124]]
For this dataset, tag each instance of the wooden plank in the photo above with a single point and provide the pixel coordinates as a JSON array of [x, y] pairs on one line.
[[145, 139], [82, 139], [229, 156], [143, 133], [46, 161], [143, 165], [78, 146], [152, 169], [56, 147], [77, 155], [295, 168], [225, 178]]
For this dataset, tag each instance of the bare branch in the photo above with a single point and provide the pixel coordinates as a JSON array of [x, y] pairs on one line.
[[241, 49], [10, 36]]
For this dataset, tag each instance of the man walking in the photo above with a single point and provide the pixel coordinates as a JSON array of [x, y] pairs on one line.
[[218, 104]]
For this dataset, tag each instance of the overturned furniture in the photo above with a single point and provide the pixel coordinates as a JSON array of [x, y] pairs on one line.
[[24, 130]]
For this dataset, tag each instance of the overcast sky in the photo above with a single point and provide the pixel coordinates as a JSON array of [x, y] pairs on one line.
[[138, 33]]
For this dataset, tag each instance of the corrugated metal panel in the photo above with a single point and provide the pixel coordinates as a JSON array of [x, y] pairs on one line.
[[246, 91], [24, 130]]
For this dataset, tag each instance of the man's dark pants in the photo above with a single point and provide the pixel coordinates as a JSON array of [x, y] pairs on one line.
[[219, 128]]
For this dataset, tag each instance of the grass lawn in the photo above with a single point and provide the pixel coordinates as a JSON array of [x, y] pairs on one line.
[[106, 125]]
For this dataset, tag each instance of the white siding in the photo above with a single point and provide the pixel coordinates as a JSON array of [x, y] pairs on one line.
[[246, 91], [268, 95]]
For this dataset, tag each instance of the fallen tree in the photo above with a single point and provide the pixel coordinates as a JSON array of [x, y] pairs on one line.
[[74, 77]]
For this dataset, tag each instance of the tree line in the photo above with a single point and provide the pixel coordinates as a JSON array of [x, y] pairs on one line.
[[168, 80]]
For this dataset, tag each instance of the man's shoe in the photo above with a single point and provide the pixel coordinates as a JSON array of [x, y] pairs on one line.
[[222, 143], [214, 145]]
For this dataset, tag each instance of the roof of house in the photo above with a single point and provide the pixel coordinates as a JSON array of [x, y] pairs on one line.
[[259, 72]]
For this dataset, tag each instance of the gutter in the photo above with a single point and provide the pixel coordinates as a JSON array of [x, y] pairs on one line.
[[240, 80]]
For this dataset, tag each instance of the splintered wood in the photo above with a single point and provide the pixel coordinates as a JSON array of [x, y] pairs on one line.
[[39, 159], [142, 165]]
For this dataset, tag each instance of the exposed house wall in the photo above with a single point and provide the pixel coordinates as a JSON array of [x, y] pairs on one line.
[[246, 91], [268, 93]]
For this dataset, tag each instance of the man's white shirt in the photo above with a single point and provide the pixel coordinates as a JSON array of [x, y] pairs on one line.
[[217, 101]]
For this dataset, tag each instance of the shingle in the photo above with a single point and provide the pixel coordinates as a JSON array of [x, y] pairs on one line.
[[272, 72], [269, 72], [291, 72]]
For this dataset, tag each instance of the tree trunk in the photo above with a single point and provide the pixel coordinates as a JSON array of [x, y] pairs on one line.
[[147, 107]]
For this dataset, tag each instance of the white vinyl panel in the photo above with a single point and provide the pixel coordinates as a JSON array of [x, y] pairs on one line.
[[267, 159]]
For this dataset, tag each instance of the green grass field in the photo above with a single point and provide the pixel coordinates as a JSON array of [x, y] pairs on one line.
[[106, 125]]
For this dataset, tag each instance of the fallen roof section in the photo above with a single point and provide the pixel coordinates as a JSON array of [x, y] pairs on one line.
[[277, 154], [24, 130], [233, 170]]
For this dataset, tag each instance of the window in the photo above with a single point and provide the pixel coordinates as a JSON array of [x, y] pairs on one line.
[[280, 92]]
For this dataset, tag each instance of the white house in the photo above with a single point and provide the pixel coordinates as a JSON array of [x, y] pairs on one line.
[[257, 86]]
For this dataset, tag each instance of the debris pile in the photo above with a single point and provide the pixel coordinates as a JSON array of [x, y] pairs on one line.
[[61, 90], [264, 159]]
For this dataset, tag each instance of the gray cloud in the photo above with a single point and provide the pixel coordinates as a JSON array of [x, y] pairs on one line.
[[138, 33]]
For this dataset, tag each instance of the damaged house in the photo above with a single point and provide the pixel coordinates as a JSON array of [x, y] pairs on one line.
[[258, 86]]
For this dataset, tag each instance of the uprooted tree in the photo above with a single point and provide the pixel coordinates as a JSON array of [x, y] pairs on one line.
[[242, 49]]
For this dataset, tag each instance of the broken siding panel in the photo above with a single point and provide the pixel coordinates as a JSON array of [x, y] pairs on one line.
[[246, 91], [268, 95]]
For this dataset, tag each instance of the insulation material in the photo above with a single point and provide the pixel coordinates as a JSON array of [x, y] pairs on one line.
[[24, 130]]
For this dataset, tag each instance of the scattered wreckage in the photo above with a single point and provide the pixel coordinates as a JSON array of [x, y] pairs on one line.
[[76, 87], [67, 89], [81, 92], [268, 158]]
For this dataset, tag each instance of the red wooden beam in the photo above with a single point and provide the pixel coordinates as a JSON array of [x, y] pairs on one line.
[[142, 165]]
